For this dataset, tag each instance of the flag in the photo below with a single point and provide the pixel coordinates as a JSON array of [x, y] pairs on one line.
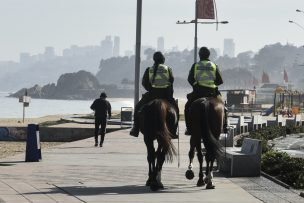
[[285, 76], [205, 9]]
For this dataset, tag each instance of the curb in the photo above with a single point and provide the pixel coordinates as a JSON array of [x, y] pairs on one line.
[[275, 180]]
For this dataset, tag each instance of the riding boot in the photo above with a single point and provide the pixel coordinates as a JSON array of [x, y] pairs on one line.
[[135, 130], [186, 113]]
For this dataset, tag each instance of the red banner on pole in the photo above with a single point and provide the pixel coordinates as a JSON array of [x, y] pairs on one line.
[[205, 9]]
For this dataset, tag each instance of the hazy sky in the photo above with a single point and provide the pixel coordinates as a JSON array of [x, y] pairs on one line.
[[30, 25]]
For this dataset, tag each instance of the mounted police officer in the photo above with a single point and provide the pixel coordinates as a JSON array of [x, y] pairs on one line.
[[158, 81], [204, 77]]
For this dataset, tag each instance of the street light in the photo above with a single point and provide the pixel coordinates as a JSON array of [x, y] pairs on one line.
[[300, 11], [195, 38], [137, 51], [291, 21]]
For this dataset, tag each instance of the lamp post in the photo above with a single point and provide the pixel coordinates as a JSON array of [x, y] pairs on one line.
[[291, 21], [199, 13], [300, 11], [195, 35], [137, 51]]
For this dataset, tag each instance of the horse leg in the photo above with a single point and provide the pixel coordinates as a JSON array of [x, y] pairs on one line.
[[159, 165], [200, 181], [189, 173], [209, 174], [151, 162]]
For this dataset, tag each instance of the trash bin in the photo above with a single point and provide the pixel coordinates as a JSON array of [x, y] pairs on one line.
[[126, 114], [33, 148]]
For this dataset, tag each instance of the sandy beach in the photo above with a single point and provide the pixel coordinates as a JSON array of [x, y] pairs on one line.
[[8, 148], [7, 122]]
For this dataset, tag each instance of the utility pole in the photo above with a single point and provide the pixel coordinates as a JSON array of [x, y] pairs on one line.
[[195, 35], [137, 52]]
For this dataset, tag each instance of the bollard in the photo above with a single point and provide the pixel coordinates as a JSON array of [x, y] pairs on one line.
[[33, 149]]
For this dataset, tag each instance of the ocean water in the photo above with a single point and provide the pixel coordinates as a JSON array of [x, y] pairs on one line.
[[11, 108]]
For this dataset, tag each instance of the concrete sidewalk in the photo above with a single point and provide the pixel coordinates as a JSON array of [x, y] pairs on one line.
[[117, 172]]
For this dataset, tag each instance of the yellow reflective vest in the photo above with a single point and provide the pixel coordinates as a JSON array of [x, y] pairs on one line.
[[204, 74], [162, 76]]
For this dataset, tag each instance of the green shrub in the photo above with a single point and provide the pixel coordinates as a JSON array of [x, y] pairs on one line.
[[294, 129], [279, 164], [265, 134], [285, 168]]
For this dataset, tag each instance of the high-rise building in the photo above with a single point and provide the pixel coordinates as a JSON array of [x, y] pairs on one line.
[[49, 53], [107, 47], [161, 44], [116, 48], [229, 48], [25, 59]]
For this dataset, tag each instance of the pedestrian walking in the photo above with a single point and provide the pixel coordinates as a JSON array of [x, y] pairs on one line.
[[102, 109]]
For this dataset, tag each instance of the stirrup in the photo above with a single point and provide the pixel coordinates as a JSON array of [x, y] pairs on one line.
[[187, 132]]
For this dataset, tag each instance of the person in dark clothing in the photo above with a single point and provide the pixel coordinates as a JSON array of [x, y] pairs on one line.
[[102, 108], [158, 81], [204, 77]]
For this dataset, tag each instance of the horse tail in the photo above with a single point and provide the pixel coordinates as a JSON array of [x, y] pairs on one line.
[[213, 147], [163, 134]]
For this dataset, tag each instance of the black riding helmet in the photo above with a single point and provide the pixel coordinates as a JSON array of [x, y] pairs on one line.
[[204, 53], [158, 58]]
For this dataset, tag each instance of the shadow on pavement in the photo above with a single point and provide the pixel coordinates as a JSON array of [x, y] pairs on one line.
[[116, 190], [10, 163]]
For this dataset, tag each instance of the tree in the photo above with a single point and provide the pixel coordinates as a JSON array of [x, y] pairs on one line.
[[245, 58]]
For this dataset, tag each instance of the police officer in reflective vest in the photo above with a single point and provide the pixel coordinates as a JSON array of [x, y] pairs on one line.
[[158, 81], [204, 77]]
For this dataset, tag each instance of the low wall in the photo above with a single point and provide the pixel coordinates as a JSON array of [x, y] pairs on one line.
[[47, 134]]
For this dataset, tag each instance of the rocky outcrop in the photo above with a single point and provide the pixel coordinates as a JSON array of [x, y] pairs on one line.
[[35, 92], [81, 85]]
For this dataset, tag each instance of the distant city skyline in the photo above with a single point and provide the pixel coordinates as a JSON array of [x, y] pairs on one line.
[[229, 48], [30, 26]]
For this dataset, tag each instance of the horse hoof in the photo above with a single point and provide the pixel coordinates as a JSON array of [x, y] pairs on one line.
[[200, 183], [210, 186], [189, 174], [148, 182], [160, 185], [154, 187]]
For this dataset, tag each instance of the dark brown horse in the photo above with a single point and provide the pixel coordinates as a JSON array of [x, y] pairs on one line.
[[206, 123], [158, 121]]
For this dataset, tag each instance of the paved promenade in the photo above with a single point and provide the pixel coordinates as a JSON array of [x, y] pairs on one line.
[[117, 172]]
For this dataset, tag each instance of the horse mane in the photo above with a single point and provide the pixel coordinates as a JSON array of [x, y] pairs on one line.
[[156, 113]]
